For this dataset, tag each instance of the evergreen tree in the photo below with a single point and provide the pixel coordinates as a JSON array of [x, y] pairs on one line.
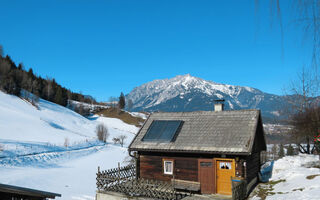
[[30, 73], [281, 151], [290, 150], [1, 51], [58, 97], [11, 63], [122, 101], [21, 67]]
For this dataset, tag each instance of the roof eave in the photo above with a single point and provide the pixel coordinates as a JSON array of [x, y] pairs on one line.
[[191, 151], [129, 147]]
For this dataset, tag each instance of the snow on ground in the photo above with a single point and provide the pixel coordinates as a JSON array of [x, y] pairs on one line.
[[19, 120], [114, 123], [75, 179], [92, 107], [35, 155], [139, 114], [291, 179]]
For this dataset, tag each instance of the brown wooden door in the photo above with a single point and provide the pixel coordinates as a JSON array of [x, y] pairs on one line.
[[206, 175], [225, 170]]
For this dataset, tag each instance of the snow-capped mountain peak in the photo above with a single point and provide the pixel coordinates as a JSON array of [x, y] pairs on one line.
[[189, 93]]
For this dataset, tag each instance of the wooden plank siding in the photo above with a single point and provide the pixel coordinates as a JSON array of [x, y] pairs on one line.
[[253, 161], [240, 168], [252, 166], [185, 168]]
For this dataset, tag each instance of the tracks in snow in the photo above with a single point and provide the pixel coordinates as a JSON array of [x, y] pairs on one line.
[[48, 158]]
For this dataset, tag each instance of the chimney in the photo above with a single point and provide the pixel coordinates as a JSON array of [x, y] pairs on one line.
[[218, 105]]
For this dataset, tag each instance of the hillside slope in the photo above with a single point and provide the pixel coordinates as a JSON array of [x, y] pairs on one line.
[[34, 153], [19, 120]]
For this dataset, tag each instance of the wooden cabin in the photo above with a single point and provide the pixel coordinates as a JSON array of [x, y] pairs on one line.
[[202, 149], [10, 192]]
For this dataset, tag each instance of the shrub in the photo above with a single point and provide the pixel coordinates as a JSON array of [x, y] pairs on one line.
[[122, 138], [66, 142], [116, 140], [102, 132], [281, 151], [119, 139]]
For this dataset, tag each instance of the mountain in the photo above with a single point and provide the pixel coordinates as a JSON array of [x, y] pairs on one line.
[[188, 93]]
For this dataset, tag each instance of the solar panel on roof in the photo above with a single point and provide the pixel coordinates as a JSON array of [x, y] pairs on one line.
[[162, 131]]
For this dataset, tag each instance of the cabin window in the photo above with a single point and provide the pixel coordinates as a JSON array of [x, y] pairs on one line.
[[206, 164], [168, 167], [225, 165]]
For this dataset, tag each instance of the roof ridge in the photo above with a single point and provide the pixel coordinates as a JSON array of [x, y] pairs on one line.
[[209, 111]]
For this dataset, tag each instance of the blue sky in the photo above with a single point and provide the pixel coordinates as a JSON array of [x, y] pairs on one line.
[[102, 48]]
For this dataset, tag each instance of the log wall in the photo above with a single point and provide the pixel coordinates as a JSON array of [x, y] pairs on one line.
[[185, 168]]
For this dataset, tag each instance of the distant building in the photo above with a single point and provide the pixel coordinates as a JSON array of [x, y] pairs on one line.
[[10, 192], [203, 149]]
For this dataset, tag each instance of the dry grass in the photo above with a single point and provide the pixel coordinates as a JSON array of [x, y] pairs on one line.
[[312, 176], [300, 189], [124, 116], [266, 189]]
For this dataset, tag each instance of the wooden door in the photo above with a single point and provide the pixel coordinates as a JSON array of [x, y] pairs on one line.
[[225, 170], [206, 175]]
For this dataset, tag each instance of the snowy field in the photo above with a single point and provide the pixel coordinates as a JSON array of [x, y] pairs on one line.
[[294, 177], [35, 155]]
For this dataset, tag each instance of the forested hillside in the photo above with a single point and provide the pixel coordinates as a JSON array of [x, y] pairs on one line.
[[14, 79]]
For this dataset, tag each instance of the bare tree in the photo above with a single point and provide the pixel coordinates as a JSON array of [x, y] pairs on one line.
[[102, 132], [307, 125], [306, 17], [122, 139], [302, 91], [303, 108], [66, 142], [113, 101], [130, 104], [49, 91], [116, 140], [1, 147], [274, 150]]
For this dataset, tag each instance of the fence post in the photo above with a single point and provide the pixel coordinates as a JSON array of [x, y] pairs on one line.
[[118, 172]]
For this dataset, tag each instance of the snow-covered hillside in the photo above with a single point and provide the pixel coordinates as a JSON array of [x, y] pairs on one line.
[[188, 93], [90, 107], [19, 120], [35, 153]]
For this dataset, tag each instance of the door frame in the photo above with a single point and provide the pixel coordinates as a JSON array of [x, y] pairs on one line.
[[216, 170], [213, 171]]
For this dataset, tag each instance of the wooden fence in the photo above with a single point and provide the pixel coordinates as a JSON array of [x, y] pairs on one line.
[[123, 180], [239, 189], [108, 178]]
